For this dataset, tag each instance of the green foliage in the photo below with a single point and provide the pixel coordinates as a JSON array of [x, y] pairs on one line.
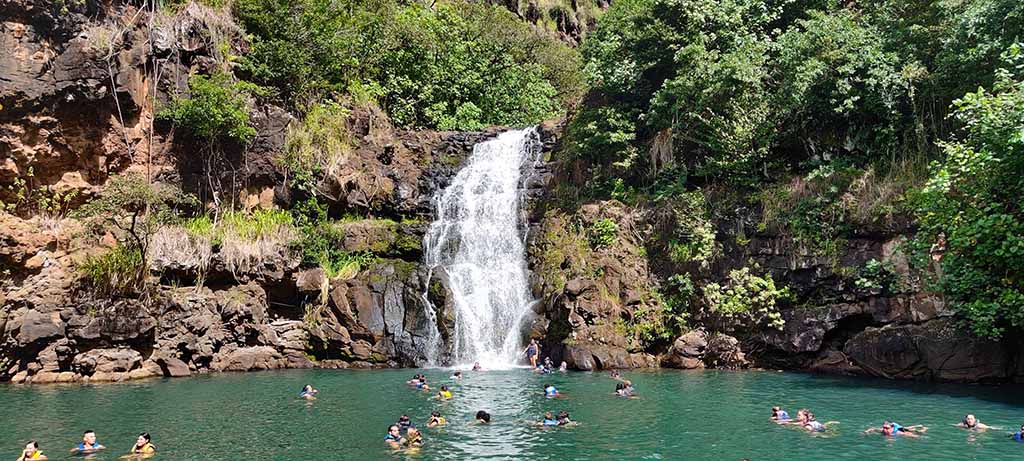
[[876, 276], [458, 65], [692, 233], [117, 272], [970, 211], [318, 146], [134, 207], [744, 301], [239, 225], [217, 108], [26, 196], [602, 233]]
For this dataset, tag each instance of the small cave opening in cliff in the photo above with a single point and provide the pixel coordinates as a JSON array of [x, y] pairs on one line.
[[846, 328]]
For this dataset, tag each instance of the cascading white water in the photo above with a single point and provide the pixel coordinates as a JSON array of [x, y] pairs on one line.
[[478, 238]]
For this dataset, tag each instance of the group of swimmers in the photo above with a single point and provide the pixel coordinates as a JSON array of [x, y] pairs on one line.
[[805, 419], [143, 447]]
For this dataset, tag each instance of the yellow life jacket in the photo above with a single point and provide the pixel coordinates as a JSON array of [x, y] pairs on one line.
[[446, 394], [147, 448]]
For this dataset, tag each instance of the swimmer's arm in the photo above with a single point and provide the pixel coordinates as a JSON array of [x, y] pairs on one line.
[[910, 434], [872, 430]]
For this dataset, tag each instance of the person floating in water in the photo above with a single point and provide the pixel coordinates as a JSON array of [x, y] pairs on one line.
[[483, 417], [624, 389], [970, 422], [811, 424], [143, 448], [1019, 435], [550, 391], [89, 444], [436, 419], [477, 367], [533, 352], [308, 393], [444, 393], [456, 376], [563, 419], [413, 438], [548, 364], [394, 436], [779, 415], [891, 429], [549, 420], [404, 423], [31, 451], [563, 367]]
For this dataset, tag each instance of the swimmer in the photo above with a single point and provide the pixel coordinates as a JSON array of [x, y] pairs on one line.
[[394, 437], [1019, 435], [890, 429], [89, 444], [444, 393], [563, 419], [143, 448], [550, 391], [615, 374], [456, 376], [404, 423], [548, 364], [31, 451], [549, 420], [970, 422], [563, 367], [308, 393], [811, 424], [540, 369], [436, 420], [413, 438], [779, 415], [483, 417], [477, 367]]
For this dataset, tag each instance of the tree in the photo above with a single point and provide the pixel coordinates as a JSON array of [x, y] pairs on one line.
[[134, 209], [971, 208]]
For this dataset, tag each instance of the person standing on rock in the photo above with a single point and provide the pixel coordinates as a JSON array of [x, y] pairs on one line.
[[533, 353]]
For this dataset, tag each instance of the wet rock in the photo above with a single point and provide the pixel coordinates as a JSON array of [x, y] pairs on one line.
[[113, 360], [723, 351]]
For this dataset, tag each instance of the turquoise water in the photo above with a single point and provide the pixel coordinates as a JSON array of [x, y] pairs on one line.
[[699, 415]]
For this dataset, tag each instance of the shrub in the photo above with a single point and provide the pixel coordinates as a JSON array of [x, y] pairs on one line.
[[603, 233], [117, 272], [744, 301], [318, 146], [217, 108]]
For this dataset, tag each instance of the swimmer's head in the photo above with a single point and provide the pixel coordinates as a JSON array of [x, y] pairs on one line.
[[403, 419], [548, 415], [970, 421], [393, 430], [436, 414], [89, 437], [887, 428], [483, 416], [143, 439], [32, 446]]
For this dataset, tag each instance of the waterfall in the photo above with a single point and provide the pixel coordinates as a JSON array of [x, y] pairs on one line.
[[478, 238]]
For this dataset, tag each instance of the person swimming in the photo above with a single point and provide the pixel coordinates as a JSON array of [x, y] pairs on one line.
[[394, 436], [436, 419], [550, 391], [622, 389], [444, 393], [779, 415], [308, 393], [31, 451], [476, 366], [563, 367], [456, 376], [89, 443], [563, 419], [413, 438], [404, 422], [143, 447], [549, 419], [1019, 435], [891, 429], [483, 417], [812, 424], [970, 422]]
